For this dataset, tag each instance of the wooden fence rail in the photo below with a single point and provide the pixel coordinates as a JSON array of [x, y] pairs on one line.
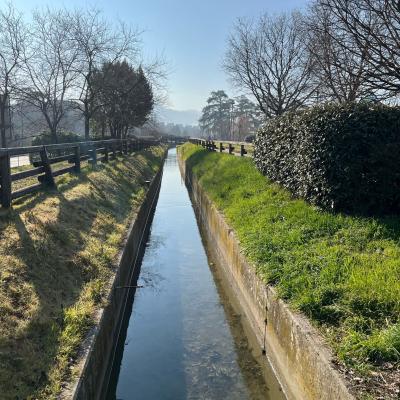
[[93, 152], [224, 146]]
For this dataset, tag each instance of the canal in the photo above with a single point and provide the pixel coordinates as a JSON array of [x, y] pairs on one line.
[[182, 338]]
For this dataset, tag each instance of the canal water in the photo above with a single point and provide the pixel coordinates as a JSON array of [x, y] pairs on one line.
[[182, 339]]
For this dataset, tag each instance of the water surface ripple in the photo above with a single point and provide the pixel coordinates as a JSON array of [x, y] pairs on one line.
[[183, 339]]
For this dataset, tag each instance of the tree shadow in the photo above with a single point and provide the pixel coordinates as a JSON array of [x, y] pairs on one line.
[[56, 281], [52, 272]]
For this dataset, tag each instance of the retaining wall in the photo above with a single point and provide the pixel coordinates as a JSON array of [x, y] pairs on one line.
[[296, 352], [94, 367]]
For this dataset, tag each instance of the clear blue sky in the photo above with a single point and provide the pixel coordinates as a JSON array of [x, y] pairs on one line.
[[190, 33]]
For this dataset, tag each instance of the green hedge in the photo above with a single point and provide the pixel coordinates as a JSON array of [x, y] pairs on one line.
[[47, 138], [62, 137], [343, 157]]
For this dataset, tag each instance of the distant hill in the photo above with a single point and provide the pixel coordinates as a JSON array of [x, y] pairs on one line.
[[183, 117]]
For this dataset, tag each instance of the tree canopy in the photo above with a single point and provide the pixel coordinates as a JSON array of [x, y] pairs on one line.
[[123, 96], [227, 118]]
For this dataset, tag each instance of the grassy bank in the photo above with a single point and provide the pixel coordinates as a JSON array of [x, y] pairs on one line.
[[58, 251], [342, 271]]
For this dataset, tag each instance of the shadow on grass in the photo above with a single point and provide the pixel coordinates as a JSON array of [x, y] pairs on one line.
[[48, 248], [57, 281]]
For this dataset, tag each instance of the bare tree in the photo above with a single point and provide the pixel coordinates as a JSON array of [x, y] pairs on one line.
[[340, 66], [50, 66], [269, 58], [97, 41], [374, 25], [157, 71], [12, 41]]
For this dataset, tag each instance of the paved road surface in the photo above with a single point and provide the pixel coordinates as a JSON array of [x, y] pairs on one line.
[[19, 161]]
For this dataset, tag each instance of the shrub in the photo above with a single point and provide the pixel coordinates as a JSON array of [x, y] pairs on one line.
[[62, 137], [47, 138], [343, 157]]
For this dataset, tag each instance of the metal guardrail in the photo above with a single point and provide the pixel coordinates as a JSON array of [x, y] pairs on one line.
[[223, 146], [77, 152]]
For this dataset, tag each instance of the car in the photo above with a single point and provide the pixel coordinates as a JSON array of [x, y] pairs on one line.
[[249, 138]]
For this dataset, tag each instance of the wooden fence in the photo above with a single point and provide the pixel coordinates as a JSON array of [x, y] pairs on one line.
[[236, 148], [73, 153]]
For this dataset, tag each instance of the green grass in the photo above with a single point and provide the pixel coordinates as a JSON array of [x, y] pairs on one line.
[[16, 185], [58, 251], [343, 272]]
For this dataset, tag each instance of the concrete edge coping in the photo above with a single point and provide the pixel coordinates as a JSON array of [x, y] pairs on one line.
[[71, 390]]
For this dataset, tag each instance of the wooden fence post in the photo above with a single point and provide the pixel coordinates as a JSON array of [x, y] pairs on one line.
[[77, 159], [230, 148], [242, 150], [93, 153], [114, 156], [106, 153], [48, 174], [5, 179]]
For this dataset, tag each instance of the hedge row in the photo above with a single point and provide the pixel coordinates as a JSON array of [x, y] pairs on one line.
[[339, 157]]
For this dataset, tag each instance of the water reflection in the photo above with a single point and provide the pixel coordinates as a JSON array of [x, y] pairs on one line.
[[183, 339]]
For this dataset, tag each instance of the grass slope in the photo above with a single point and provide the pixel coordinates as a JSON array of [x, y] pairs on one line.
[[343, 272], [57, 254]]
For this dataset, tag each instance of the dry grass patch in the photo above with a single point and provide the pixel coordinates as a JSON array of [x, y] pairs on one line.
[[57, 251]]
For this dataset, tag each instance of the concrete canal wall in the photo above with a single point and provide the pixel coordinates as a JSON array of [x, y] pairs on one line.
[[301, 361], [94, 367]]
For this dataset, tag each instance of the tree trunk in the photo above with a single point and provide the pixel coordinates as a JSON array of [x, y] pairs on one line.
[[87, 121], [111, 129], [53, 132], [3, 123]]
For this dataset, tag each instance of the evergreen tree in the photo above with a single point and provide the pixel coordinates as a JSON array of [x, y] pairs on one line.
[[217, 116], [248, 117], [124, 97]]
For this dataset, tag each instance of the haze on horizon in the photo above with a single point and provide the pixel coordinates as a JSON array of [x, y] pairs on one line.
[[190, 35]]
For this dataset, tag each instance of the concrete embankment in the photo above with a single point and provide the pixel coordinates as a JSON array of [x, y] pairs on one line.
[[301, 361], [98, 350]]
